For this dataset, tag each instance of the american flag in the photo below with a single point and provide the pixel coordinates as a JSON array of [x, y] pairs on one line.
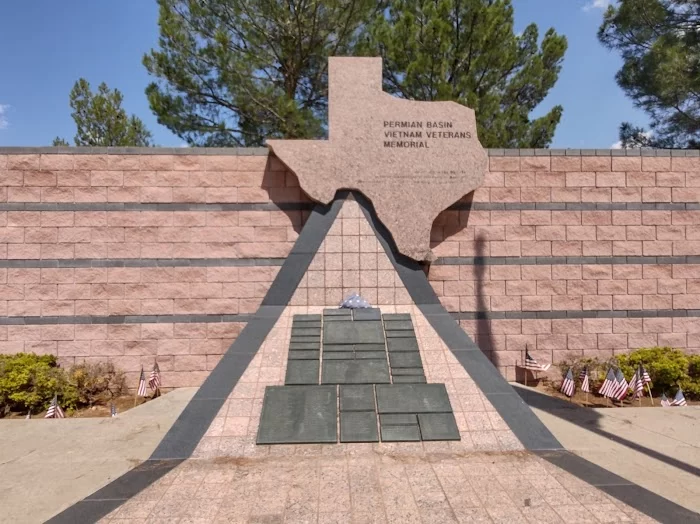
[[154, 379], [354, 301], [142, 385], [620, 391], [531, 363], [567, 386], [583, 377], [55, 410], [646, 379], [113, 410], [608, 384], [665, 403], [636, 385], [679, 399]]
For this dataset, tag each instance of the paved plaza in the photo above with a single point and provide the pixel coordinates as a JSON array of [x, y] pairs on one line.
[[486, 476]]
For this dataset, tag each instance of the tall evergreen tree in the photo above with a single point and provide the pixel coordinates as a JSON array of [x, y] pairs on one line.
[[659, 41], [466, 51], [234, 72], [101, 120]]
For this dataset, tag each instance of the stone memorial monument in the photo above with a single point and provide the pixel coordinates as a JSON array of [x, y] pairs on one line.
[[362, 371], [411, 159]]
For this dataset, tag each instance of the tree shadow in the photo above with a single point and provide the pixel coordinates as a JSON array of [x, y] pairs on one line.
[[483, 335], [590, 420]]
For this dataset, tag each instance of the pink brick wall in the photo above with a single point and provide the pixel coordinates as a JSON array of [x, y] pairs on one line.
[[666, 224], [241, 218], [112, 209]]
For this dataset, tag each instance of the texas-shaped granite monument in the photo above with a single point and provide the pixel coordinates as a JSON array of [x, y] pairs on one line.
[[411, 159]]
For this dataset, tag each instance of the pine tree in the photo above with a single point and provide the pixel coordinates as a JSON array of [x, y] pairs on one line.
[[234, 72], [466, 51], [659, 41], [101, 120]]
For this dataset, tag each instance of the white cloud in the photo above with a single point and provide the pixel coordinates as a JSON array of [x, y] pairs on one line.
[[597, 4], [3, 116], [617, 145]]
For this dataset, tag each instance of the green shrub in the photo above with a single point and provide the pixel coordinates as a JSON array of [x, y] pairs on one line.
[[97, 383], [667, 367], [691, 385], [28, 382]]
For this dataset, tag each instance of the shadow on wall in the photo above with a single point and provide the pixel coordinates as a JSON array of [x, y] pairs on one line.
[[483, 336], [449, 224], [589, 419], [282, 187]]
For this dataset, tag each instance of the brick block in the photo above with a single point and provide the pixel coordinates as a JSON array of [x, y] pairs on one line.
[[504, 163], [627, 163], [566, 163]]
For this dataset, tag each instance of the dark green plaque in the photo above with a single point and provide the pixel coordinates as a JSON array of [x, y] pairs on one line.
[[358, 426], [355, 372], [438, 426], [298, 415], [302, 372]]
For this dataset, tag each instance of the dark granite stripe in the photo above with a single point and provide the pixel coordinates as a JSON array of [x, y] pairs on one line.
[[176, 206], [114, 494], [140, 262], [182, 438], [520, 419], [558, 261], [633, 495], [262, 151], [616, 313], [307, 206], [575, 206], [125, 319]]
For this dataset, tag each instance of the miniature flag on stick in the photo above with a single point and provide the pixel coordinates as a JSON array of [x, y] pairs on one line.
[[679, 399], [585, 383], [636, 385], [665, 403], [531, 363], [646, 380], [567, 386], [113, 410], [620, 391], [154, 379], [142, 385], [55, 410], [608, 384]]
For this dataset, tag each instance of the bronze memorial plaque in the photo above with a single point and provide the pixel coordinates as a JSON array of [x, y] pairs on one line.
[[411, 159]]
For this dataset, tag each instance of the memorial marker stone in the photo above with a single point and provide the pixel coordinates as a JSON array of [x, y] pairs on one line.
[[411, 159]]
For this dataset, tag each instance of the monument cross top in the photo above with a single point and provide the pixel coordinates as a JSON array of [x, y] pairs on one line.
[[411, 159]]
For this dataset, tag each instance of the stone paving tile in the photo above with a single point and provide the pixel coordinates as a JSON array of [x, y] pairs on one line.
[[372, 486]]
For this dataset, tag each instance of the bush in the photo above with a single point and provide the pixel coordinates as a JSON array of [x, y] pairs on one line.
[[691, 385], [97, 383], [28, 382], [667, 367]]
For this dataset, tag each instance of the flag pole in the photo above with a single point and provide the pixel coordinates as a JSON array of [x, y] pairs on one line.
[[650, 397]]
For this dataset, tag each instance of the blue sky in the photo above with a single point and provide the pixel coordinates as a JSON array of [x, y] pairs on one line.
[[47, 45]]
